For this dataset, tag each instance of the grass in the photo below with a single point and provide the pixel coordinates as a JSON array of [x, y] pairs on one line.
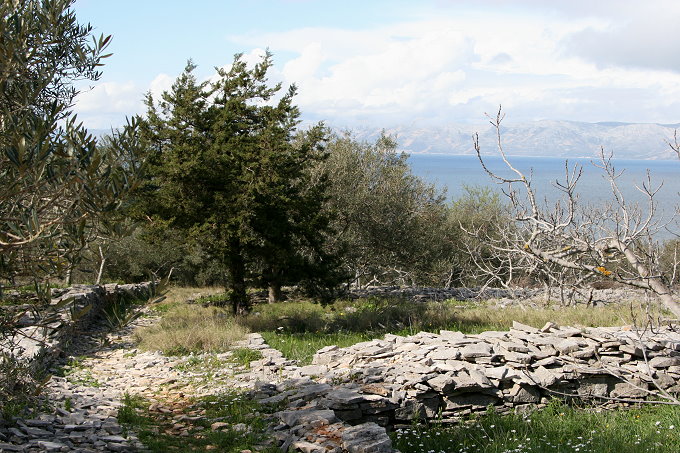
[[243, 356], [303, 346], [557, 428], [244, 425], [300, 328], [396, 315], [179, 295], [184, 329]]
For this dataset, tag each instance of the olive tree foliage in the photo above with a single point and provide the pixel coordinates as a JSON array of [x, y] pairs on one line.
[[614, 241], [387, 222], [55, 181], [56, 184]]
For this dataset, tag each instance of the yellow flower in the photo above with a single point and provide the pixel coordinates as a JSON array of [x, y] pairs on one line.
[[602, 270]]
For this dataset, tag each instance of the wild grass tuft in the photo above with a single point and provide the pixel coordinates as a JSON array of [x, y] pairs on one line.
[[243, 356], [557, 428], [191, 328]]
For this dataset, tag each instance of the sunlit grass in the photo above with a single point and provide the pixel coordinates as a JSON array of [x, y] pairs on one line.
[[191, 328], [558, 428], [303, 346]]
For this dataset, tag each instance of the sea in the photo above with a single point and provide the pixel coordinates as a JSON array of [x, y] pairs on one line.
[[455, 172]]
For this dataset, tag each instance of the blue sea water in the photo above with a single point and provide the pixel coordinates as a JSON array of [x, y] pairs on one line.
[[454, 172]]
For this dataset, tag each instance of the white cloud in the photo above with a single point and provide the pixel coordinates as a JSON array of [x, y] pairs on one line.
[[160, 84], [108, 96], [454, 60], [449, 67]]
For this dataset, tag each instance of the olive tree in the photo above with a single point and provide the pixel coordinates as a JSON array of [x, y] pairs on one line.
[[54, 178], [387, 221], [614, 241]]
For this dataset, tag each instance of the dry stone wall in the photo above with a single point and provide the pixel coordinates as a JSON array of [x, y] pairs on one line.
[[380, 384], [450, 375], [39, 342]]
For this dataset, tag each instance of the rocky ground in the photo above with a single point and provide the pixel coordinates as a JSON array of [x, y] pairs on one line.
[[347, 398], [88, 387]]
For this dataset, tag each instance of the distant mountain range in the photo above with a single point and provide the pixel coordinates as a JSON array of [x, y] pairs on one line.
[[539, 138]]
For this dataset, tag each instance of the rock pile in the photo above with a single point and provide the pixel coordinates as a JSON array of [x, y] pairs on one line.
[[451, 374], [386, 383], [41, 340]]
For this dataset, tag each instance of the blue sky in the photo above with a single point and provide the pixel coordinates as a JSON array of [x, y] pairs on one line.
[[383, 63]]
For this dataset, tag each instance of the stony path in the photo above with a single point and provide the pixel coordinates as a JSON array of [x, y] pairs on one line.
[[88, 388]]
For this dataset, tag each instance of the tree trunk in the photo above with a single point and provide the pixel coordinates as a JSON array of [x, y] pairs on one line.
[[275, 294], [102, 262], [237, 284]]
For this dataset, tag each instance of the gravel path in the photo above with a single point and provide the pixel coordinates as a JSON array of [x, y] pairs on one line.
[[88, 387]]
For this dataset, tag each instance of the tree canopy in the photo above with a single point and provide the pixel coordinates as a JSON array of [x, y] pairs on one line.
[[230, 169], [55, 181]]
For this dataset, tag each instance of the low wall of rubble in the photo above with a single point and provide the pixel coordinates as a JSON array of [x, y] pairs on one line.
[[501, 296], [451, 375], [380, 384], [44, 334]]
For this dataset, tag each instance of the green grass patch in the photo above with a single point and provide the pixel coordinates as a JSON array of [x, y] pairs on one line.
[[557, 428], [244, 427], [243, 356], [299, 329], [191, 328], [302, 346], [402, 316]]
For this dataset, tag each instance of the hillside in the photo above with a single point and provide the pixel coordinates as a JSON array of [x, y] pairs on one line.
[[539, 138]]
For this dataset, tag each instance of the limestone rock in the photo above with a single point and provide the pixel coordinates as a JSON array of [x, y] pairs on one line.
[[366, 438]]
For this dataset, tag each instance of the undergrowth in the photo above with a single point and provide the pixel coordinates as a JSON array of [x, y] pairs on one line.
[[557, 428], [241, 423]]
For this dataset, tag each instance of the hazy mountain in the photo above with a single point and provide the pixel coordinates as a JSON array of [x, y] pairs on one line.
[[539, 138]]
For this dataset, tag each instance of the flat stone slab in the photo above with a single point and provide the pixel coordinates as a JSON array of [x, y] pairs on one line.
[[366, 438]]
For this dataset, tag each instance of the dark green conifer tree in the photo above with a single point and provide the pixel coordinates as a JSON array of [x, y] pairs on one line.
[[230, 171]]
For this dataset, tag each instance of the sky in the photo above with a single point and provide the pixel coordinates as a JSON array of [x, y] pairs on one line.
[[384, 63]]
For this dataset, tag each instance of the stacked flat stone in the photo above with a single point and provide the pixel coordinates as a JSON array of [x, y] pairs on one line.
[[451, 374], [444, 377], [39, 344]]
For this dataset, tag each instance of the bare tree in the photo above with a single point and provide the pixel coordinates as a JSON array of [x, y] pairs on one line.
[[615, 240]]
